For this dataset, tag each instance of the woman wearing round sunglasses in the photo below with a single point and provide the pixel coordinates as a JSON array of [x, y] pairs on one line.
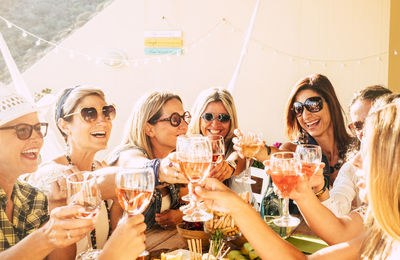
[[150, 136], [214, 113], [84, 119]]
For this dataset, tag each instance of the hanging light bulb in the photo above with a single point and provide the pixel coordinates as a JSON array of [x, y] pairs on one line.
[[37, 43], [24, 34], [395, 52], [9, 25]]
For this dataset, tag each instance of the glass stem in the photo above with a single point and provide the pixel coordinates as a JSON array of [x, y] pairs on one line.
[[89, 239], [285, 208], [246, 173]]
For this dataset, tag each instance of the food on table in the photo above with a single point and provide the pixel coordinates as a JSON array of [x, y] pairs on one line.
[[246, 252], [223, 222]]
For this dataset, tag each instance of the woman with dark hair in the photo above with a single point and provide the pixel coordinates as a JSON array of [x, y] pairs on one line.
[[314, 116]]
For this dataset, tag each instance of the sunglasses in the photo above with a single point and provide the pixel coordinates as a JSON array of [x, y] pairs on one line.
[[90, 114], [24, 131], [356, 126], [175, 118], [312, 104], [222, 118]]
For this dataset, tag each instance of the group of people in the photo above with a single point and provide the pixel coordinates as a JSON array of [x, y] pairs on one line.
[[356, 228]]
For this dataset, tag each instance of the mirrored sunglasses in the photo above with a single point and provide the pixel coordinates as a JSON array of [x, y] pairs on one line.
[[175, 118], [24, 131], [90, 114], [312, 104], [223, 118]]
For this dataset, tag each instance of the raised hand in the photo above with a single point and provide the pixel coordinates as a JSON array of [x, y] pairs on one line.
[[247, 145], [170, 170], [221, 171], [63, 229], [169, 218]]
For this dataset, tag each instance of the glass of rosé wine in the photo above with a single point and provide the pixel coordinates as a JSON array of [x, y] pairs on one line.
[[218, 150], [251, 144], [82, 190], [134, 188], [285, 173], [310, 157], [195, 157]]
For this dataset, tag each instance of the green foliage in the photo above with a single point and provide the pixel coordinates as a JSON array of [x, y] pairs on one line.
[[258, 164]]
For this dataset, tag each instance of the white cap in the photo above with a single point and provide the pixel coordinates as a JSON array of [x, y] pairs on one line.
[[13, 105]]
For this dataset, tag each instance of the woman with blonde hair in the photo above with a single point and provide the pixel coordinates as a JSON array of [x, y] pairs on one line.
[[150, 136], [214, 113], [381, 165]]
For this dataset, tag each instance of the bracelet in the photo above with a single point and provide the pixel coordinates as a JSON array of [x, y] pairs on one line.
[[319, 193], [268, 149], [155, 165]]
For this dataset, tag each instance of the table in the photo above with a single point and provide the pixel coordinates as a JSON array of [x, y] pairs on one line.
[[162, 240]]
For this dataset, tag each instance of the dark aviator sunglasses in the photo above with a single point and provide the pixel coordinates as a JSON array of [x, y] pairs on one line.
[[90, 114], [24, 131], [222, 118], [175, 118], [312, 104]]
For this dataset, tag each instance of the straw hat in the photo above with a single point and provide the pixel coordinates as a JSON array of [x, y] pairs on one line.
[[13, 105]]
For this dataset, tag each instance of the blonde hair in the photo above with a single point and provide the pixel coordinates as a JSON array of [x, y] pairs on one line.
[[382, 163], [148, 109], [207, 96], [69, 99]]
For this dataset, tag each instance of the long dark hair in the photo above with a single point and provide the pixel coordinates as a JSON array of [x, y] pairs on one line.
[[321, 85]]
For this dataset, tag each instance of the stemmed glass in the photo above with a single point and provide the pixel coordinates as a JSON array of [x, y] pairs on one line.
[[195, 157], [285, 173], [310, 157], [251, 144], [135, 188], [82, 190]]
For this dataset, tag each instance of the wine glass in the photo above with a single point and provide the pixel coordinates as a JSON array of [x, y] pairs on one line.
[[285, 173], [310, 157], [82, 190], [134, 187], [251, 144], [195, 156]]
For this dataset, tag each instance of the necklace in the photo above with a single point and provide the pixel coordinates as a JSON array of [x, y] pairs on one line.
[[339, 164], [93, 167]]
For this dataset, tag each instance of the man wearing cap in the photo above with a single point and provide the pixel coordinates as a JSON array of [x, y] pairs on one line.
[[26, 229]]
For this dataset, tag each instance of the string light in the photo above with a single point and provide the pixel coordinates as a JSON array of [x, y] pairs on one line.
[[261, 46], [395, 52]]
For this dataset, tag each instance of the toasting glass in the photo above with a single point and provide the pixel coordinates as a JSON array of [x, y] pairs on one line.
[[310, 157], [82, 190], [195, 156], [134, 187], [251, 144], [285, 173]]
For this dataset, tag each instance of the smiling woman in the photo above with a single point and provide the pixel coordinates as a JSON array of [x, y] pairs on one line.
[[84, 119]]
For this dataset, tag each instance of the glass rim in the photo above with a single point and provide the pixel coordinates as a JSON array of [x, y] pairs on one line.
[[89, 173], [217, 137], [281, 153]]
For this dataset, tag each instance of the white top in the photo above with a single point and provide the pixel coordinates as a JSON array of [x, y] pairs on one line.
[[344, 193]]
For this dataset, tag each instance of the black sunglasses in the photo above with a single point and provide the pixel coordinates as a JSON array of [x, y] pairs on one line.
[[356, 126], [90, 114], [24, 131], [312, 104], [175, 118], [223, 118]]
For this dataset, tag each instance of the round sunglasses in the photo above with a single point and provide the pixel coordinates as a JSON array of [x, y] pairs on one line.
[[90, 114], [24, 131], [312, 104], [222, 118], [175, 118]]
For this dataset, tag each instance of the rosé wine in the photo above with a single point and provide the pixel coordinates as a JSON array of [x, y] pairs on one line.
[[133, 201], [285, 181]]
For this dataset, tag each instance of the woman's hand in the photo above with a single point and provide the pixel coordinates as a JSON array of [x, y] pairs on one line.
[[170, 170], [221, 171], [242, 140], [169, 218], [219, 197], [127, 240], [64, 229]]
